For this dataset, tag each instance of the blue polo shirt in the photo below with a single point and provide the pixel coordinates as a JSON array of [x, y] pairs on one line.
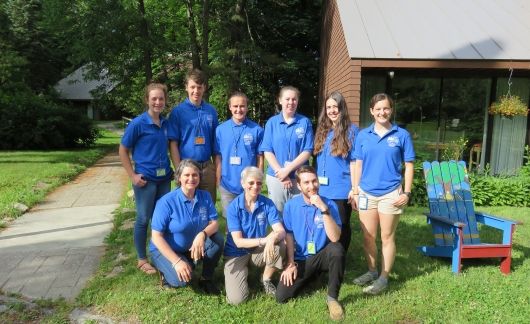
[[149, 145], [180, 219], [383, 158], [251, 225], [233, 140], [336, 168], [306, 223], [287, 141], [187, 122]]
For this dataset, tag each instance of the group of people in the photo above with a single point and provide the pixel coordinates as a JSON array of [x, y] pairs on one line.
[[302, 228]]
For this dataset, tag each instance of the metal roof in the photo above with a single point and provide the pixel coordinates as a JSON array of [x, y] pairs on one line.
[[77, 86], [437, 29]]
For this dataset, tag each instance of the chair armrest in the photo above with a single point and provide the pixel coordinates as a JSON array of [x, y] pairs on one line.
[[445, 220], [495, 221]]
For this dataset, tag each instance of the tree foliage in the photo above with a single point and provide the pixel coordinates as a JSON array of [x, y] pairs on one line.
[[247, 45]]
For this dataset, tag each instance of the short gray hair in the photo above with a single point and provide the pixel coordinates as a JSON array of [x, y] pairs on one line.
[[184, 164], [251, 171]]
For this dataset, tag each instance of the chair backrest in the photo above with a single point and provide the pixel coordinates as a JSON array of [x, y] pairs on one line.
[[450, 197]]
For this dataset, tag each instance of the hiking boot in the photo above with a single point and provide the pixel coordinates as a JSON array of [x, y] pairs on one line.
[[376, 288], [269, 287], [336, 312], [365, 279], [209, 287]]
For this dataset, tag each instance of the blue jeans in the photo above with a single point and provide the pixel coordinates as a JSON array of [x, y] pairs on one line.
[[213, 248], [146, 198]]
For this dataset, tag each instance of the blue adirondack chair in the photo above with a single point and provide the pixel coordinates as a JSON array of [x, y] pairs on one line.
[[454, 220]]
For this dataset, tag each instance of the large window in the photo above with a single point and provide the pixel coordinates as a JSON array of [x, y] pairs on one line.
[[433, 120]]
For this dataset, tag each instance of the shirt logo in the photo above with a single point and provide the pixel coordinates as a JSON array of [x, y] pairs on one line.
[[261, 218], [248, 138], [209, 118], [392, 141], [319, 221], [300, 132], [203, 213]]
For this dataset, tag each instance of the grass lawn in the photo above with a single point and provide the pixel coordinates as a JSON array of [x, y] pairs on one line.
[[422, 289], [27, 176]]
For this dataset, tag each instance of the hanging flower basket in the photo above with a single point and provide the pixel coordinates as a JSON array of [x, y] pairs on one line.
[[509, 106]]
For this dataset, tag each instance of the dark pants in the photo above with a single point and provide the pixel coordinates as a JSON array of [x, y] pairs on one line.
[[345, 210], [330, 259]]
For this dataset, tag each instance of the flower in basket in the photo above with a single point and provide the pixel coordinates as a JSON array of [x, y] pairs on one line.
[[509, 106]]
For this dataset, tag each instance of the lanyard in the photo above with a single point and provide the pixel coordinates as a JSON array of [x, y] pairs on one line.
[[198, 129], [310, 229], [327, 150], [237, 138], [288, 140]]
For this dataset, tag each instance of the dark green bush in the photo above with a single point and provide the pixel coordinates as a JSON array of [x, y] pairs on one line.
[[36, 122]]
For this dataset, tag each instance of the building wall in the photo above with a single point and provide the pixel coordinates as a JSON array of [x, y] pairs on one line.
[[338, 72]]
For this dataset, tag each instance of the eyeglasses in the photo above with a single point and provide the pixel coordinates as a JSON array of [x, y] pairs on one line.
[[257, 183]]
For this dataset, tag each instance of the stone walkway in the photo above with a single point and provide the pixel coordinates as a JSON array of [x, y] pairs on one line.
[[53, 250]]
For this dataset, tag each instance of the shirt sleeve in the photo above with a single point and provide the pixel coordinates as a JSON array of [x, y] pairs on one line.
[[161, 216], [273, 216], [307, 143], [408, 148], [212, 212], [334, 210], [260, 140], [358, 149], [266, 143], [233, 223], [287, 218], [217, 146], [130, 135], [172, 129], [354, 131]]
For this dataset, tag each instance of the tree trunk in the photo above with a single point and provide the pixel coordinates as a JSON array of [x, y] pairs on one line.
[[195, 55], [144, 33]]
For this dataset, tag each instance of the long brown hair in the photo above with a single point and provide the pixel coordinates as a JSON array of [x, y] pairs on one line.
[[341, 142]]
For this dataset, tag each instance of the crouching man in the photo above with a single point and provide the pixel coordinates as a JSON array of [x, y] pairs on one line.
[[313, 230]]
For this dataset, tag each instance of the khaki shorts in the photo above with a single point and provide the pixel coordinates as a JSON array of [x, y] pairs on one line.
[[384, 203]]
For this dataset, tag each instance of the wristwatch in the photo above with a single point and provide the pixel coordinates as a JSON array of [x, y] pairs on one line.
[[325, 212], [408, 193]]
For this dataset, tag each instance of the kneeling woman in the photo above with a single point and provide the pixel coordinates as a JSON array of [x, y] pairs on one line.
[[248, 217], [184, 231]]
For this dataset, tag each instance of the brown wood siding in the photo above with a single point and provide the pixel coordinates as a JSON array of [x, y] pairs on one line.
[[338, 72]]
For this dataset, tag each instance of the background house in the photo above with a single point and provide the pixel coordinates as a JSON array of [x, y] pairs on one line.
[[443, 61], [80, 89]]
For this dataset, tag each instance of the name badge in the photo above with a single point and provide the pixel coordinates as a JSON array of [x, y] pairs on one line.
[[286, 163], [199, 140], [323, 180], [363, 202], [160, 172], [311, 249], [235, 160]]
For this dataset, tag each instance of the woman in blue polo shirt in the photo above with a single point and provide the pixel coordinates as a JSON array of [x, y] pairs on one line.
[[334, 141], [247, 242], [146, 138], [287, 144], [380, 190], [185, 230]]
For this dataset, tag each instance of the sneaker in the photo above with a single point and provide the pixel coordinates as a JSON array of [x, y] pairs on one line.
[[376, 288], [336, 312], [364, 279], [269, 287], [209, 287]]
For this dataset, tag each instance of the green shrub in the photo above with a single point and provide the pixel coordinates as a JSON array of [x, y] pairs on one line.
[[36, 122]]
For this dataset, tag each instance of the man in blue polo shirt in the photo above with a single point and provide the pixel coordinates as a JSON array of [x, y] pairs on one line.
[[192, 130], [236, 146], [313, 230]]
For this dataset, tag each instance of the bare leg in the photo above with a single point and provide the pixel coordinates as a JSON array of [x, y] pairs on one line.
[[388, 233], [369, 224]]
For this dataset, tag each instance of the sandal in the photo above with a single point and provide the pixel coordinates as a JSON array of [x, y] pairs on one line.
[[146, 268]]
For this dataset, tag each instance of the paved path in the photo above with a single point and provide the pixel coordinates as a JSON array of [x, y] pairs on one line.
[[53, 250]]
